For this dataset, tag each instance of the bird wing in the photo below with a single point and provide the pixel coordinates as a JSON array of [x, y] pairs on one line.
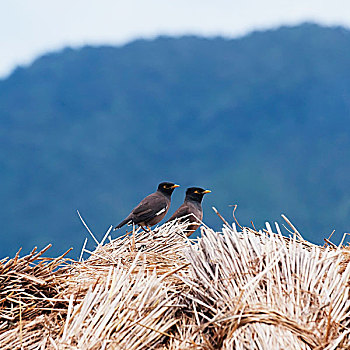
[[182, 211], [187, 211], [151, 206]]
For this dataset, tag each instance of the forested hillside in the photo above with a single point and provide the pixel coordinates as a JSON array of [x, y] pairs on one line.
[[263, 121]]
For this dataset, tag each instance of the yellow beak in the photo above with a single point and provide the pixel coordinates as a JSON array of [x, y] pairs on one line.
[[206, 191], [174, 186]]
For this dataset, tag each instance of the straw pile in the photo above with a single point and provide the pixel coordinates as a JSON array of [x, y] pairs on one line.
[[235, 289]]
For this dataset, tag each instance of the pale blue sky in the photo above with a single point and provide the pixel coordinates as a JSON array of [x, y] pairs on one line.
[[29, 28]]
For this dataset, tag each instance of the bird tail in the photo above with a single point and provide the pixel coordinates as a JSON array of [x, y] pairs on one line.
[[124, 222]]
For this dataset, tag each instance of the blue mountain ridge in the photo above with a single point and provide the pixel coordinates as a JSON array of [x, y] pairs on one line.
[[263, 121]]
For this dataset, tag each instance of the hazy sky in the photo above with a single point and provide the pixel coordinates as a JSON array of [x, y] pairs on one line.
[[29, 28]]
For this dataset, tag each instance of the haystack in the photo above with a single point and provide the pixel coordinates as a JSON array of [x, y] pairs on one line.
[[235, 289]]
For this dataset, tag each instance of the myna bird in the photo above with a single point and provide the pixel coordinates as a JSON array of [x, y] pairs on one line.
[[152, 209], [191, 209]]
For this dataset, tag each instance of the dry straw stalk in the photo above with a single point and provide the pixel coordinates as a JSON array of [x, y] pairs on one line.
[[233, 289]]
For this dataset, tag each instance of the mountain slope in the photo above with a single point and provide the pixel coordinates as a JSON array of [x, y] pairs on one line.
[[263, 121]]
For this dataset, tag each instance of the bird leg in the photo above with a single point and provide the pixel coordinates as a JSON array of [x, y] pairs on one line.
[[144, 228]]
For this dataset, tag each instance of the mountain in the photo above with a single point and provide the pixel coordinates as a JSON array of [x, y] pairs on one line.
[[263, 121]]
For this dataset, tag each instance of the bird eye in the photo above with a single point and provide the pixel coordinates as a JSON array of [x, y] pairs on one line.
[[196, 191]]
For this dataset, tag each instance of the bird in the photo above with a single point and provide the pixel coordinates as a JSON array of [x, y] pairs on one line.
[[151, 209], [191, 209]]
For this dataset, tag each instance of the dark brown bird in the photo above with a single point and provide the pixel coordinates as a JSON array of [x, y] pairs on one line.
[[191, 209], [153, 208]]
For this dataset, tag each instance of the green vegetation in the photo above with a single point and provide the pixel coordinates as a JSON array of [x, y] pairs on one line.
[[262, 121]]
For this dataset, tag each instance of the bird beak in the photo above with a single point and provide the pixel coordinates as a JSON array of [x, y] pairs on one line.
[[174, 186], [206, 191]]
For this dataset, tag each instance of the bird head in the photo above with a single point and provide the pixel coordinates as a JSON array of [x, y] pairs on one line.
[[196, 193], [167, 187]]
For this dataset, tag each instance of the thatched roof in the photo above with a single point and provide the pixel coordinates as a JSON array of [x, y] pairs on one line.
[[235, 289]]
